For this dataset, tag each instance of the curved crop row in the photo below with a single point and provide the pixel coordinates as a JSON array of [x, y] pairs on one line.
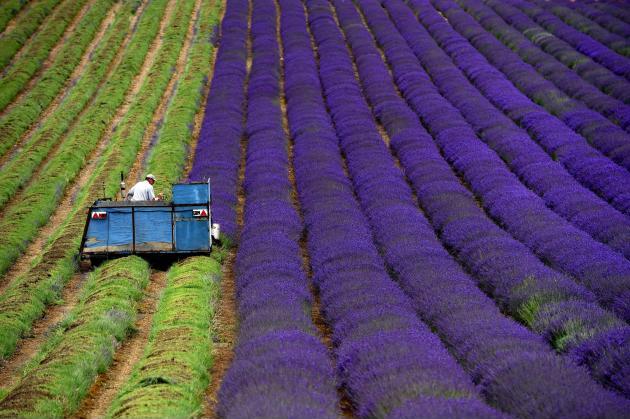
[[27, 299], [592, 29], [521, 212], [36, 50], [583, 43], [601, 133], [17, 120], [21, 221], [592, 169], [25, 26], [613, 9], [605, 20], [524, 287], [8, 9], [83, 345], [168, 157], [218, 150], [535, 168], [279, 355], [170, 379], [21, 165], [388, 361], [557, 51]]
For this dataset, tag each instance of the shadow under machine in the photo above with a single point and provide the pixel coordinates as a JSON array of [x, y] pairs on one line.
[[157, 230]]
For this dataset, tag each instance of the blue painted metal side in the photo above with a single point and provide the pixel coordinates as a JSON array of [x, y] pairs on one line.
[[150, 227]]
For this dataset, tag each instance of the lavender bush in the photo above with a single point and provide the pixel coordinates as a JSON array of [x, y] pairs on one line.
[[280, 368], [218, 151]]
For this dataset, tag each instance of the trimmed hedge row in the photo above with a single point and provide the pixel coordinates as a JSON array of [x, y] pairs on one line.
[[8, 10], [21, 222], [60, 375], [20, 71], [25, 26], [16, 121], [171, 377]]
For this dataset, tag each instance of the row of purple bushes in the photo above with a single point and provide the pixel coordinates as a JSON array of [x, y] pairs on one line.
[[442, 293], [280, 367], [601, 133], [608, 21], [578, 40], [218, 151]]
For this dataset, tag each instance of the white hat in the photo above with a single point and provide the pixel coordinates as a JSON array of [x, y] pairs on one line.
[[150, 176]]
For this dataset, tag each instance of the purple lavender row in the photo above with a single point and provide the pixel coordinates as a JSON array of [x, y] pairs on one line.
[[583, 43], [442, 293], [548, 302], [522, 213], [386, 356], [586, 164], [612, 40], [612, 8], [218, 151], [526, 159], [604, 19], [601, 133], [556, 53], [280, 367]]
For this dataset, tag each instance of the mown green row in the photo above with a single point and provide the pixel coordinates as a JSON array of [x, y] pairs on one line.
[[8, 9], [168, 158], [25, 300], [56, 380], [138, 119], [20, 167], [36, 50], [17, 120], [170, 379], [25, 25], [37, 202]]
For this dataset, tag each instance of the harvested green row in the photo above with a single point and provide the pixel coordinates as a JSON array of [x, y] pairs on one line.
[[42, 284], [132, 128], [17, 171], [16, 121], [168, 158], [36, 50], [170, 379], [8, 9], [21, 221], [84, 344], [25, 26]]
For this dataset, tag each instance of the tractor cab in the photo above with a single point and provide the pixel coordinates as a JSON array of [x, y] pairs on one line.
[[157, 230]]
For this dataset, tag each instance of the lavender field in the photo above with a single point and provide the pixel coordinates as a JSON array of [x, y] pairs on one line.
[[424, 208], [446, 185]]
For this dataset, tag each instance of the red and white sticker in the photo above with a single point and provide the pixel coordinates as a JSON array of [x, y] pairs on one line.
[[99, 215], [200, 212]]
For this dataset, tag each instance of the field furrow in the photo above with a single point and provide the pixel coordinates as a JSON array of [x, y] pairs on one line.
[[20, 30], [44, 93], [423, 205], [30, 59]]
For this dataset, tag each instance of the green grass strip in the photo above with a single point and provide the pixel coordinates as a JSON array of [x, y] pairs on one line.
[[25, 300], [168, 157], [19, 169], [36, 50], [170, 379], [21, 221], [8, 9], [25, 26], [16, 121], [84, 344]]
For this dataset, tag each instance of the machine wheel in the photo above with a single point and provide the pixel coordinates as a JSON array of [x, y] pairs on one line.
[[85, 265]]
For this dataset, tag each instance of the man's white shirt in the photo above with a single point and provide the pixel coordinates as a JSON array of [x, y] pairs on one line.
[[141, 191]]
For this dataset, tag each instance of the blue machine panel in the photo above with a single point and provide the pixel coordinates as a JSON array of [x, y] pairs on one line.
[[191, 193], [154, 228], [191, 233], [111, 234]]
